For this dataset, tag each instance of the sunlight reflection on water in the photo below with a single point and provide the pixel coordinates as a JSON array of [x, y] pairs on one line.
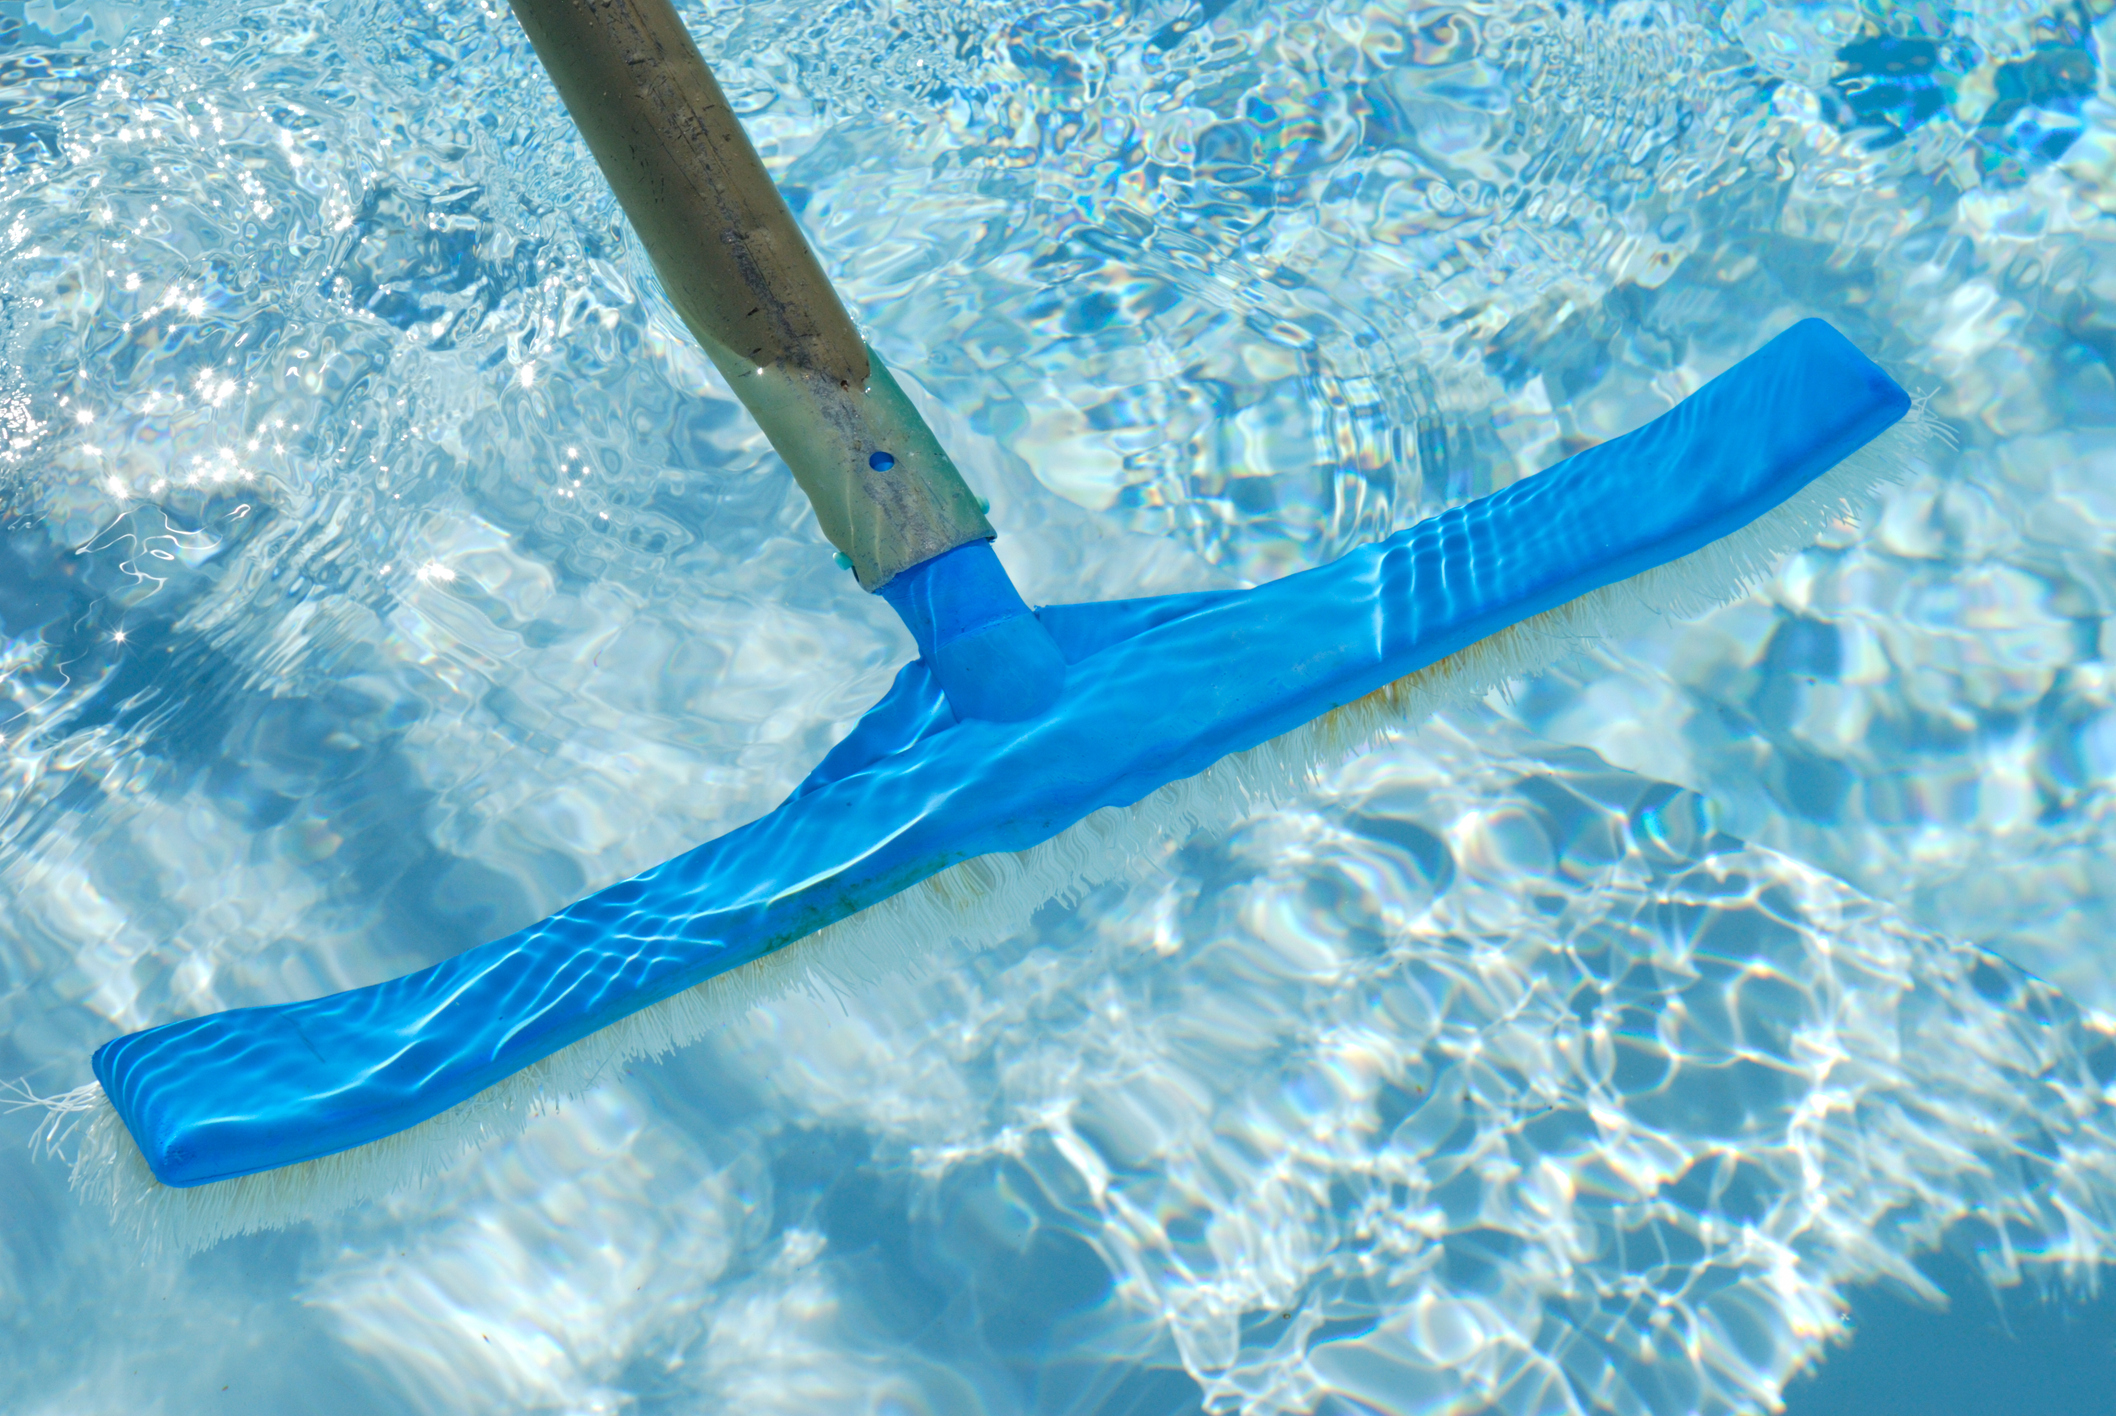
[[383, 568]]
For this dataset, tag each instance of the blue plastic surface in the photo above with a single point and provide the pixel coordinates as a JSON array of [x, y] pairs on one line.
[[1156, 690], [989, 654]]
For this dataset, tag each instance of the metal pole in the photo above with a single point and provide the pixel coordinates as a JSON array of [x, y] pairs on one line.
[[752, 292]]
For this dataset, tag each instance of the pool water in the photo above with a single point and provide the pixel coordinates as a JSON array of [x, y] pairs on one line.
[[1724, 1018]]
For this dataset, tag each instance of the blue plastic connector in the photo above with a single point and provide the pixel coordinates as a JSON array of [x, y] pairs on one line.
[[989, 653]]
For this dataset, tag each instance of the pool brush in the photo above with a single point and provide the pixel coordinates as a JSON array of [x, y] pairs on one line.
[[1022, 755]]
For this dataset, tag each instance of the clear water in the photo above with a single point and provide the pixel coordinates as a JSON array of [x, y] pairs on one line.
[[383, 569]]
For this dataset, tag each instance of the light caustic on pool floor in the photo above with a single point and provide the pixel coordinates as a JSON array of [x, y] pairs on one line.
[[385, 570]]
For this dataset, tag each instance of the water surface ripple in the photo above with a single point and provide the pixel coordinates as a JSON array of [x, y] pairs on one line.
[[380, 569]]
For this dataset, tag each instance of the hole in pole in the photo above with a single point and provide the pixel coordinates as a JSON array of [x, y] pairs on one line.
[[881, 461]]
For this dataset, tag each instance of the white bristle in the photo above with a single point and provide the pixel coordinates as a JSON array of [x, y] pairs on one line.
[[975, 903]]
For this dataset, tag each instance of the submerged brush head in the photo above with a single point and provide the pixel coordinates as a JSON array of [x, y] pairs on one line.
[[1154, 693]]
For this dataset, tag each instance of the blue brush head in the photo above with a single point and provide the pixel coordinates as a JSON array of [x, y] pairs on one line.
[[1057, 715]]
